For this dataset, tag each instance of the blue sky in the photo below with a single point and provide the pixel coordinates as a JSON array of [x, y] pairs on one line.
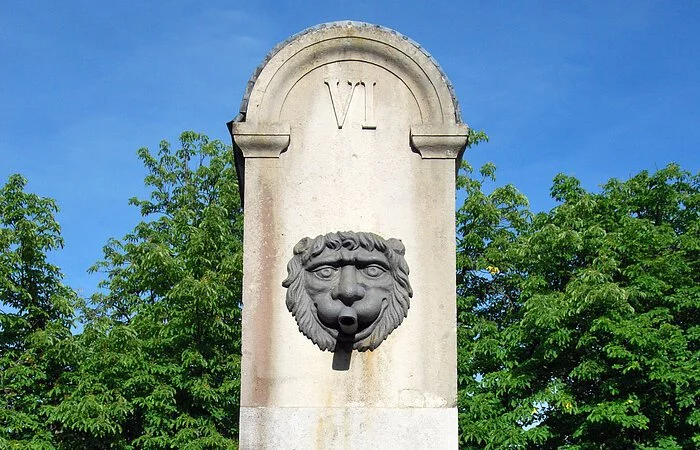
[[594, 89]]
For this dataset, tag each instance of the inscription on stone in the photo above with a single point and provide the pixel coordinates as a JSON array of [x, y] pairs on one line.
[[342, 105]]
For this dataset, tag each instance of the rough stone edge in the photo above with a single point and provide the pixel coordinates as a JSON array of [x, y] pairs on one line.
[[343, 23]]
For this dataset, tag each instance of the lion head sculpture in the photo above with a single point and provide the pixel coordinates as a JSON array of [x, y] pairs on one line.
[[347, 289]]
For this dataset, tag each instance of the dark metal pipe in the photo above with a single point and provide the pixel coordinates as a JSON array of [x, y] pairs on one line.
[[347, 320]]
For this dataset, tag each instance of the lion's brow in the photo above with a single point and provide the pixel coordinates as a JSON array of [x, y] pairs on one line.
[[338, 258]]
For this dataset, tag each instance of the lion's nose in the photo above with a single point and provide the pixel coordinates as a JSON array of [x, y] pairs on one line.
[[347, 290]]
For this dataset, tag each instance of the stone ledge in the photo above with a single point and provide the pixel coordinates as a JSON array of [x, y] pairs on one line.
[[260, 140], [439, 141]]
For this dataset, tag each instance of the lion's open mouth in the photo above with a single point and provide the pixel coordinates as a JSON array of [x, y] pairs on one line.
[[347, 320], [354, 336]]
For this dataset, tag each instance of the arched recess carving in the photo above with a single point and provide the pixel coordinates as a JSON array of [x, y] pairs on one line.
[[257, 131]]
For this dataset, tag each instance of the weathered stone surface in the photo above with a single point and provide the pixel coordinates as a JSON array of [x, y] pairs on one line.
[[348, 127], [349, 428]]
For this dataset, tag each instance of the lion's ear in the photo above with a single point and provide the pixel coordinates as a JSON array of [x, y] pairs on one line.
[[301, 246], [397, 246]]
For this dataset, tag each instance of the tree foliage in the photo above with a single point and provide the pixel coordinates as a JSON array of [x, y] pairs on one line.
[[579, 328], [36, 313], [160, 353]]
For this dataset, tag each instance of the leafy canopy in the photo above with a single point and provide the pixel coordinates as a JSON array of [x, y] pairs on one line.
[[36, 314], [579, 328], [160, 356]]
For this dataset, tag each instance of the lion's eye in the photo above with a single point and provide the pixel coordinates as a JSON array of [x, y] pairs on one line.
[[325, 272], [374, 271]]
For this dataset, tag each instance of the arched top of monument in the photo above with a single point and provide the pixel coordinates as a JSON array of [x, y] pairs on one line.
[[330, 42]]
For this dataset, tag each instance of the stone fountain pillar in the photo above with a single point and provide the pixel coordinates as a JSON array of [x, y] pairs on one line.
[[346, 147]]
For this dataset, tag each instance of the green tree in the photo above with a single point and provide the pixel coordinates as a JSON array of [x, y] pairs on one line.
[[161, 355], [36, 313], [580, 328]]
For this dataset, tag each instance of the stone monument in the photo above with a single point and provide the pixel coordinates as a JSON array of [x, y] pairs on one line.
[[346, 147]]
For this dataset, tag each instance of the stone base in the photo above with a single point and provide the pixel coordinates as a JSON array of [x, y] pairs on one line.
[[348, 428]]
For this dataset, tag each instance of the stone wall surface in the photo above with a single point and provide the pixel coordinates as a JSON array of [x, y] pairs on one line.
[[349, 127]]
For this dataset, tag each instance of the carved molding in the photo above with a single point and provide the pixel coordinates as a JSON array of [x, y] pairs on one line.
[[260, 140], [439, 141], [350, 42]]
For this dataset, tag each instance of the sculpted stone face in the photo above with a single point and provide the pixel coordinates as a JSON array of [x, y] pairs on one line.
[[348, 289]]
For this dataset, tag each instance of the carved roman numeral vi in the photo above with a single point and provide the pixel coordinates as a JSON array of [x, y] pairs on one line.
[[341, 105]]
